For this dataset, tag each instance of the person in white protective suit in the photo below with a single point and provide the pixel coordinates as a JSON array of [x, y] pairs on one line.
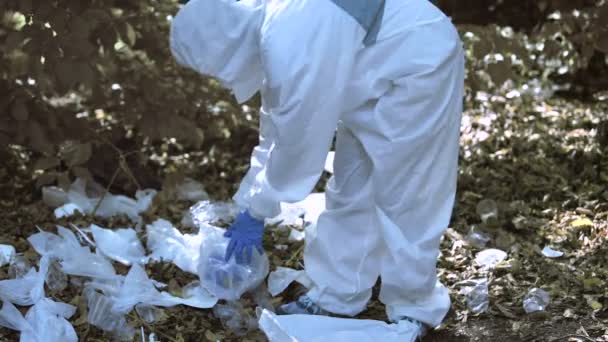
[[388, 76]]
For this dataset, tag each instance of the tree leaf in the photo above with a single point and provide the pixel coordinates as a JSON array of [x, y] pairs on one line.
[[130, 34]]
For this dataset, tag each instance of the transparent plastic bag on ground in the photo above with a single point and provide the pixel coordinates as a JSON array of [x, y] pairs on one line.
[[227, 280], [234, 318]]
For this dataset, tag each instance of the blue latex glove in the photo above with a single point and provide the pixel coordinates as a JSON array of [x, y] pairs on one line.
[[245, 233]]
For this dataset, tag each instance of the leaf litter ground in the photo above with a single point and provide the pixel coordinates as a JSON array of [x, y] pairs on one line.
[[541, 162]]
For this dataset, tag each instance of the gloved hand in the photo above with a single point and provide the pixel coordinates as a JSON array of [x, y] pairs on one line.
[[245, 233]]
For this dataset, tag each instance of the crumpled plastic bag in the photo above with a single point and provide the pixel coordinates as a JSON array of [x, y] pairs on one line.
[[314, 328], [227, 280], [139, 289], [27, 290], [44, 322], [121, 245], [75, 258], [167, 243], [83, 197], [280, 279], [100, 314]]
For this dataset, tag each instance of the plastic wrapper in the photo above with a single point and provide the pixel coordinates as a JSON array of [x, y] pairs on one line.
[[280, 279], [27, 290], [305, 328], [19, 267], [476, 295], [477, 238], [121, 245], [75, 259], [207, 212], [536, 300], [56, 280], [139, 289], [100, 314], [48, 320], [84, 197], [489, 258], [235, 318], [167, 243], [551, 253], [227, 279], [148, 313]]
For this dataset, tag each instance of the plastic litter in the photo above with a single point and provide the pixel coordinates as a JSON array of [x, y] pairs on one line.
[[7, 253], [487, 209], [227, 280], [191, 190], [19, 267], [296, 235], [67, 210], [84, 197], [489, 258], [304, 328], [75, 259], [12, 319], [329, 162], [56, 280], [100, 314], [477, 295], [167, 243], [48, 320], [235, 318], [207, 212], [280, 279], [121, 245], [477, 237], [551, 253], [148, 313], [139, 289], [536, 300], [27, 290], [303, 306]]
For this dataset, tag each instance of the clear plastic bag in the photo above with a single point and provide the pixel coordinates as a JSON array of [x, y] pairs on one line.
[[227, 279]]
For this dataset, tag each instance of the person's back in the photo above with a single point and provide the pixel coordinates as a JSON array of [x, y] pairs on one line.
[[391, 83]]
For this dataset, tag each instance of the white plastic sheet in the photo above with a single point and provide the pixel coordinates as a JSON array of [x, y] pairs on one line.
[[280, 279], [489, 258], [552, 253], [139, 289], [75, 258], [121, 245], [312, 328], [27, 290], [48, 320], [84, 197], [167, 243]]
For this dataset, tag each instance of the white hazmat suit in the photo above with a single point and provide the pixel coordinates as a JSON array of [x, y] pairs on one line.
[[391, 83]]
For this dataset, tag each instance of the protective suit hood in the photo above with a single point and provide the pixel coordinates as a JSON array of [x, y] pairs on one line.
[[220, 38]]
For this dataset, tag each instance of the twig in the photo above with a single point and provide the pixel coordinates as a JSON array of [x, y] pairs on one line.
[[105, 192], [586, 338], [295, 255]]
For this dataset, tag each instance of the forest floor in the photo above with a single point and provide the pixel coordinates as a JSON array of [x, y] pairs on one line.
[[540, 161]]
